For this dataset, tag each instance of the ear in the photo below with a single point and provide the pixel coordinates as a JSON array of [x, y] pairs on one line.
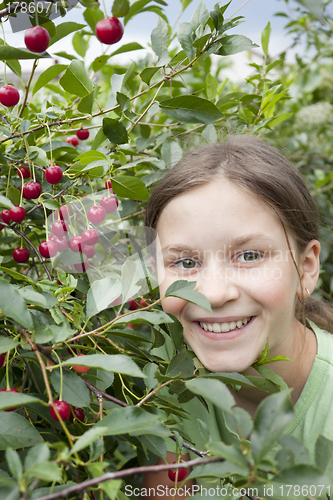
[[310, 267]]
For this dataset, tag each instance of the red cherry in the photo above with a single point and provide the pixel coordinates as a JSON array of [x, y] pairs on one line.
[[2, 360], [63, 212], [31, 190], [62, 243], [89, 251], [132, 305], [17, 213], [109, 203], [78, 413], [5, 216], [48, 249], [37, 39], [1, 227], [143, 303], [109, 30], [82, 134], [108, 186], [9, 96], [52, 237], [81, 267], [131, 326], [24, 172], [80, 368], [89, 237], [21, 255], [59, 228], [96, 214], [73, 140], [182, 474], [75, 244], [10, 390], [62, 408], [53, 174]]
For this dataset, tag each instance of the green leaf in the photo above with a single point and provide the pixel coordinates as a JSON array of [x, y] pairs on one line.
[[315, 7], [76, 80], [272, 416], [302, 474], [115, 131], [15, 66], [39, 156], [155, 444], [80, 44], [74, 389], [5, 202], [150, 317], [64, 29], [92, 16], [127, 47], [191, 109], [126, 420], [229, 452], [41, 299], [17, 432], [46, 471], [18, 276], [14, 399], [13, 305], [87, 438], [130, 187], [220, 469], [159, 41], [265, 37], [117, 363], [51, 204], [185, 37], [37, 454], [14, 463], [8, 53], [120, 8], [199, 16], [6, 344], [233, 44], [87, 102], [213, 390], [147, 74], [101, 294], [48, 75], [181, 366], [184, 290]]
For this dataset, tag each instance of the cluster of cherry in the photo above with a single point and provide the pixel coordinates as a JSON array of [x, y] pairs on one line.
[[58, 240]]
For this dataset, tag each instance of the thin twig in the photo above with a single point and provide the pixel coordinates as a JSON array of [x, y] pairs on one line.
[[127, 472]]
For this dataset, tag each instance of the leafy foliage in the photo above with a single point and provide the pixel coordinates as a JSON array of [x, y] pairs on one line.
[[140, 372]]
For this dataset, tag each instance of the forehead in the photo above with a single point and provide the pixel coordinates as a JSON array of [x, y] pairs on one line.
[[219, 210]]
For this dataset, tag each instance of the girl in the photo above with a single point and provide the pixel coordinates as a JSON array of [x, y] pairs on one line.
[[238, 219]]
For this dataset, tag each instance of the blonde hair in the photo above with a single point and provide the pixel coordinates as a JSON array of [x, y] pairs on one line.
[[260, 169]]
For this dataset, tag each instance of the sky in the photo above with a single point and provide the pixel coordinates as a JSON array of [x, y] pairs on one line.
[[256, 14]]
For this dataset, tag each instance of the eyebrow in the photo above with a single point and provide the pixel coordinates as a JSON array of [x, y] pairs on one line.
[[236, 242]]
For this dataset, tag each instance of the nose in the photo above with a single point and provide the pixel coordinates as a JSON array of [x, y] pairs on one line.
[[218, 283]]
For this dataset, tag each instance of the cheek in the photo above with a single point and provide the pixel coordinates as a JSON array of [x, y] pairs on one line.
[[173, 305]]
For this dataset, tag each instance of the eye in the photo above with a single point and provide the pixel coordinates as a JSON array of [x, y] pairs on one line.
[[186, 263], [249, 256]]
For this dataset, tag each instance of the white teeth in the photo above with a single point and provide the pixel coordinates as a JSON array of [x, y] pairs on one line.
[[224, 327]]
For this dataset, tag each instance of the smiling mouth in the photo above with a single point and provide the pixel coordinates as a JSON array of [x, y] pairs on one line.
[[225, 327]]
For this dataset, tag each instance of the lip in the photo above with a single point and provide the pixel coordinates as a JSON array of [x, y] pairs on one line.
[[223, 336]]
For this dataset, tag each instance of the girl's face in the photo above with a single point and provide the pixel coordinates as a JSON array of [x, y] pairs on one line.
[[234, 247]]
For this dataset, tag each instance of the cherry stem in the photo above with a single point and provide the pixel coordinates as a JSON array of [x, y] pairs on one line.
[[7, 372], [61, 376], [34, 66]]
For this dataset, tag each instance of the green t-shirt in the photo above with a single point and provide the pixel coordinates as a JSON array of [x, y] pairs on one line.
[[313, 409]]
